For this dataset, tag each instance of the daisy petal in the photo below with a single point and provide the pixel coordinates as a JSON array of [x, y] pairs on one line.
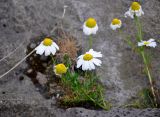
[[86, 30], [79, 63], [47, 52], [97, 62], [52, 50], [40, 49], [84, 66], [91, 65], [94, 53], [95, 29], [140, 44], [128, 13], [55, 45], [153, 44], [89, 31], [151, 40], [80, 57]]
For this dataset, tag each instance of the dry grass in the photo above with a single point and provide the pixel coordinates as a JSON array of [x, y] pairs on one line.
[[68, 45]]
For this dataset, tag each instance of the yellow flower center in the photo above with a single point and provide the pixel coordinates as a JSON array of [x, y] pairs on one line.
[[60, 69], [87, 57], [146, 43], [116, 21], [47, 42], [135, 6], [91, 22]]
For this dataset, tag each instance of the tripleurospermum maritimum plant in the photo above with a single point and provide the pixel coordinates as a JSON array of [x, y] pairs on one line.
[[89, 90], [134, 12]]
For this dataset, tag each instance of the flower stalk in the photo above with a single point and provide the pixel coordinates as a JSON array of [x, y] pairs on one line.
[[90, 41], [149, 77], [104, 106], [142, 52]]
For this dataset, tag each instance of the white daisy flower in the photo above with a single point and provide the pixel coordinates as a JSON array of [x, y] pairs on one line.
[[116, 23], [60, 69], [150, 43], [47, 46], [90, 26], [89, 60], [135, 9]]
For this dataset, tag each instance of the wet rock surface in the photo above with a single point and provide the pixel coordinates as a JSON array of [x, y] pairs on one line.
[[24, 20]]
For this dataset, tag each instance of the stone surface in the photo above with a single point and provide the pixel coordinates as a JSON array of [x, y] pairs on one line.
[[41, 78], [24, 20], [24, 100], [9, 110]]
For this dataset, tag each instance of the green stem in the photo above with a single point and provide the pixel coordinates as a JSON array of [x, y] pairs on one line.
[[103, 99], [104, 107], [149, 77], [53, 60], [87, 75], [90, 41], [139, 28], [140, 38]]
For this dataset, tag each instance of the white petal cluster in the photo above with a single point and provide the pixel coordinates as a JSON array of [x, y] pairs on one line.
[[89, 64], [131, 13], [115, 26], [149, 43], [89, 31], [135, 11], [47, 50]]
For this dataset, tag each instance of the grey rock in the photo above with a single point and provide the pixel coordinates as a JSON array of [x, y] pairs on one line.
[[29, 71], [32, 46], [42, 79], [22, 21]]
